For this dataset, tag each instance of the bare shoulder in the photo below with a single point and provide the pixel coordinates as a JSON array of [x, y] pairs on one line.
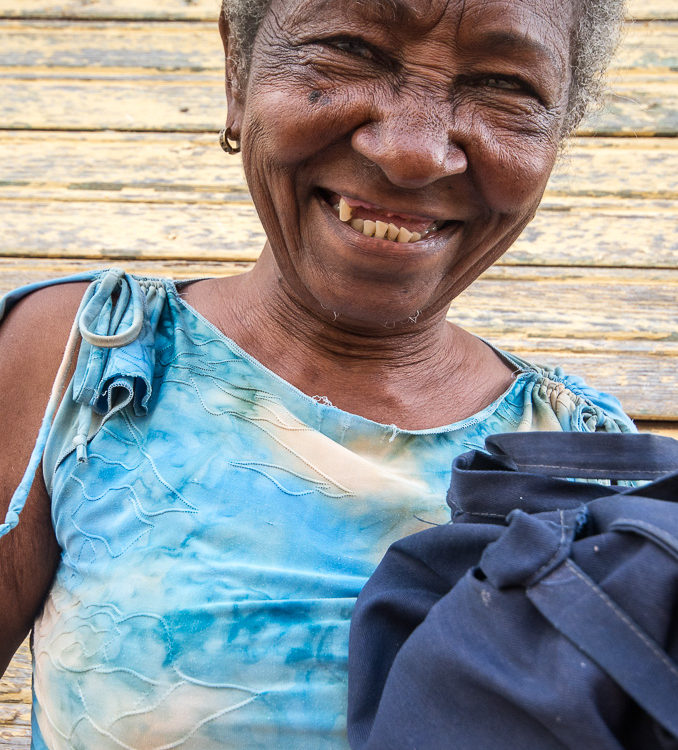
[[32, 341], [36, 329]]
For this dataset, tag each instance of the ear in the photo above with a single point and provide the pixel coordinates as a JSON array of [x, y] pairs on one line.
[[234, 94]]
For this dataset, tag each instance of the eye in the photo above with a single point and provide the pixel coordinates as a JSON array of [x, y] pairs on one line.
[[352, 46], [510, 84], [501, 82]]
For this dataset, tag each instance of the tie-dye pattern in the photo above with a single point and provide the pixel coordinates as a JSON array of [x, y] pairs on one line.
[[216, 536]]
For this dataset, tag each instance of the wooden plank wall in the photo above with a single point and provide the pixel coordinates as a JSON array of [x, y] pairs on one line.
[[108, 156]]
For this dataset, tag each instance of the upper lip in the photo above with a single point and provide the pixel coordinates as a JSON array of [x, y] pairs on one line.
[[393, 207]]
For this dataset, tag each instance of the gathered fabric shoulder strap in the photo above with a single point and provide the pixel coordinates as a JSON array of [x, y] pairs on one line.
[[118, 314]]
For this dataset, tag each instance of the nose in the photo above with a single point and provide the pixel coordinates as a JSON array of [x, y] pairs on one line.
[[413, 146]]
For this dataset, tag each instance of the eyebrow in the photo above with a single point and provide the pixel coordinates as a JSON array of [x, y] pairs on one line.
[[500, 40], [507, 41], [396, 11]]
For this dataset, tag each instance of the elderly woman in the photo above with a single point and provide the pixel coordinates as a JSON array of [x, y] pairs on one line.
[[233, 456]]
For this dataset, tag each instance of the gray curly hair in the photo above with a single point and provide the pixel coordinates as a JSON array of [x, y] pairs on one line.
[[595, 40]]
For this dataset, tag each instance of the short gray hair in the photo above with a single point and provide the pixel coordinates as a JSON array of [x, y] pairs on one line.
[[595, 40]]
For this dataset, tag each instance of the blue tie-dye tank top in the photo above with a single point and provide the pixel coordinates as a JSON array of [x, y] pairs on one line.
[[216, 526]]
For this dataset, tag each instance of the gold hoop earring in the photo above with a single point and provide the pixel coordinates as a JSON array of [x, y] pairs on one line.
[[227, 142]]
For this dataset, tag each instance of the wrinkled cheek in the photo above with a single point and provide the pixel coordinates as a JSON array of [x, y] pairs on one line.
[[296, 124], [516, 168]]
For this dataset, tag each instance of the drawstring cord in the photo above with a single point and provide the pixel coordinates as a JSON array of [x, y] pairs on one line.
[[21, 493], [91, 306]]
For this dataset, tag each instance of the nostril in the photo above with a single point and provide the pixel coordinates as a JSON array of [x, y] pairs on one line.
[[409, 159]]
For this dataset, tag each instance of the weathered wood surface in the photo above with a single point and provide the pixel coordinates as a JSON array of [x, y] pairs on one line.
[[643, 103], [574, 233], [208, 9], [174, 196], [659, 428], [134, 47], [168, 77], [619, 331], [15, 702], [192, 167]]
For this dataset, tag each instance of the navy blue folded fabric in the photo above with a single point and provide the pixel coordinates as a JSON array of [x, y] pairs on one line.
[[545, 616]]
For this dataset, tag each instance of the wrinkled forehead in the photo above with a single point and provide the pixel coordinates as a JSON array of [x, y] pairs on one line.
[[545, 22]]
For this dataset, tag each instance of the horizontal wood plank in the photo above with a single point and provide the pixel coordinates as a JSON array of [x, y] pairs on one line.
[[208, 9], [15, 701], [615, 326], [669, 429], [128, 47], [40, 99], [203, 10], [649, 45], [641, 9], [135, 47], [192, 167], [581, 235], [162, 196]]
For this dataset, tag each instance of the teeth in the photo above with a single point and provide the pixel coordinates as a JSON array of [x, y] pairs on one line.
[[392, 232], [380, 229], [404, 235], [369, 227], [345, 211]]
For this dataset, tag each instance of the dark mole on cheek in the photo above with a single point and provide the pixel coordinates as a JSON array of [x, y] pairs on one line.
[[318, 97]]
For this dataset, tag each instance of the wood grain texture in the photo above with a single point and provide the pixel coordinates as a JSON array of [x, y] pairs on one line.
[[115, 9], [669, 429], [192, 167], [615, 326], [575, 235], [639, 104], [208, 9], [15, 701], [640, 9], [174, 196], [137, 47]]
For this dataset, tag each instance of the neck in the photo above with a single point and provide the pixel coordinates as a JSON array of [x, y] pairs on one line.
[[423, 375]]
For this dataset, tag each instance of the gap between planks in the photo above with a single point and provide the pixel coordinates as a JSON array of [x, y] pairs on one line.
[[208, 9], [135, 48]]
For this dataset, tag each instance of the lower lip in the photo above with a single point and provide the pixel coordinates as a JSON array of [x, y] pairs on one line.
[[425, 246]]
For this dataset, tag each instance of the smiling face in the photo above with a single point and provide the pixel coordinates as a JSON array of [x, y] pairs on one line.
[[434, 124]]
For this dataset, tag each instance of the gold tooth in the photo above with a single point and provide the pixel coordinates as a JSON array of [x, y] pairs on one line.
[[369, 227], [404, 235], [345, 211], [415, 237], [358, 224], [380, 229], [392, 232]]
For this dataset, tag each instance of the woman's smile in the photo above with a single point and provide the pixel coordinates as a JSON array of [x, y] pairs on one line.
[[381, 222], [383, 232]]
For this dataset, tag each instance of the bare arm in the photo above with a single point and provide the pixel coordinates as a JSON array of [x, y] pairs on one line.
[[32, 341]]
